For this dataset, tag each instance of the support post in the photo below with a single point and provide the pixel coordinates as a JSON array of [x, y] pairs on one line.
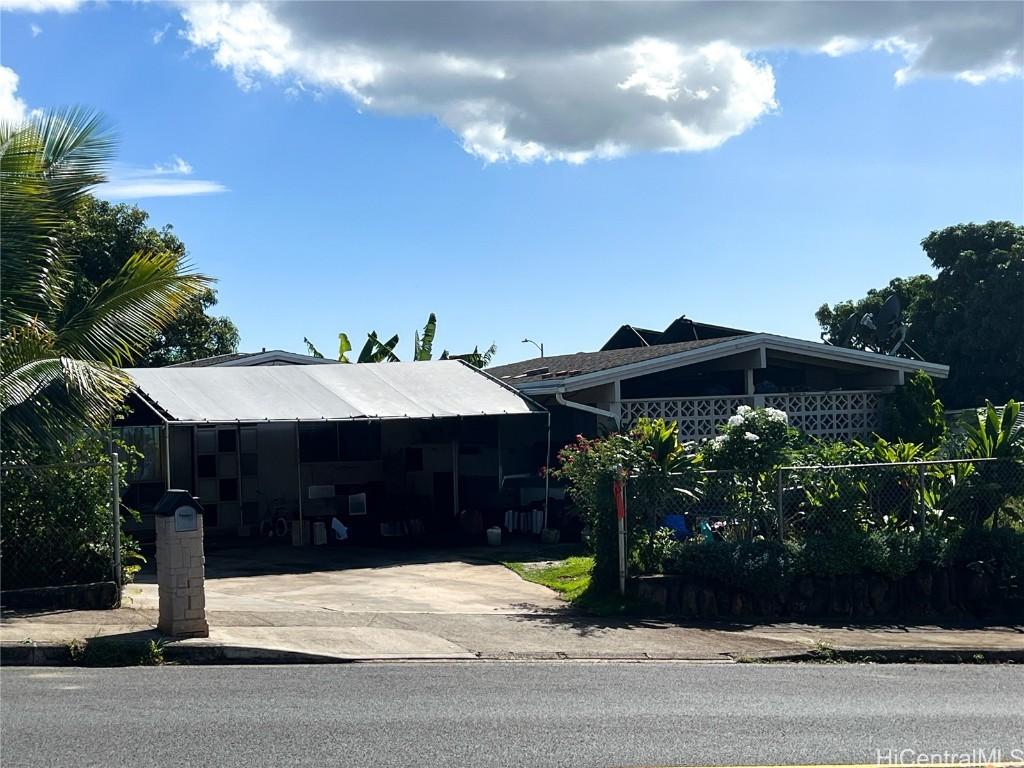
[[167, 455], [115, 521], [622, 554], [619, 495], [455, 477], [920, 499], [547, 473], [782, 510], [298, 470]]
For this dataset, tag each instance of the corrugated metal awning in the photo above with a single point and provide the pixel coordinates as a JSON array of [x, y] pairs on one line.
[[421, 390]]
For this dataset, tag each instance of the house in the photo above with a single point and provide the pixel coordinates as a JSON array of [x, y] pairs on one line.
[[697, 374], [265, 357], [390, 449]]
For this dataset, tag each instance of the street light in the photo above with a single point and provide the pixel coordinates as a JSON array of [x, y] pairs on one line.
[[538, 346]]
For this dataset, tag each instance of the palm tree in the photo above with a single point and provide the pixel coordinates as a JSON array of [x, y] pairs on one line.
[[58, 364]]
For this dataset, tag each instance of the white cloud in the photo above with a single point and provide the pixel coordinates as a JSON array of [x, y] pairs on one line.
[[134, 189], [573, 81], [158, 34], [39, 6], [176, 166], [162, 180], [12, 109], [35, 29]]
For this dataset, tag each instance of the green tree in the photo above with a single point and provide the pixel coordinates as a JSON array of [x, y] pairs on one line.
[[969, 316], [102, 237], [59, 363]]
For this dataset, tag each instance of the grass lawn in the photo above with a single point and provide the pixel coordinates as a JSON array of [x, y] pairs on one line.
[[570, 578]]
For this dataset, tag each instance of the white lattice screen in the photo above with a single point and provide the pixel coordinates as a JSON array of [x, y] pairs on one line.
[[837, 415]]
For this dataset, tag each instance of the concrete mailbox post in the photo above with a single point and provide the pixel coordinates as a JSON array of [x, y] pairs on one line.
[[180, 565]]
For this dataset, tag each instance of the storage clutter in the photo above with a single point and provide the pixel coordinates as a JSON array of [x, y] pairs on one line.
[[524, 520]]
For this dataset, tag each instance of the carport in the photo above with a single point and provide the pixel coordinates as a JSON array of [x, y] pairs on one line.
[[390, 450]]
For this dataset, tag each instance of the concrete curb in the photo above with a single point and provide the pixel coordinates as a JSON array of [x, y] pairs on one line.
[[889, 656], [34, 654]]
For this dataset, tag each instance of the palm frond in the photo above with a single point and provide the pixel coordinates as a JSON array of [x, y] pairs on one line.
[[312, 350], [118, 322], [77, 147]]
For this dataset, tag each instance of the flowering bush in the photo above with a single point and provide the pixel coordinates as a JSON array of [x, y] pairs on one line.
[[754, 439], [655, 462], [748, 450]]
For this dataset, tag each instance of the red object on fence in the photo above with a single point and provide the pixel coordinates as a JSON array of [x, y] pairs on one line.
[[619, 492]]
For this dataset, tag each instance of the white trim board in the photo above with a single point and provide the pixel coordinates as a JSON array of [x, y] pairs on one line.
[[755, 341]]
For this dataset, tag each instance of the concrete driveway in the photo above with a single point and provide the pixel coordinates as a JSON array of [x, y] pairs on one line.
[[285, 579]]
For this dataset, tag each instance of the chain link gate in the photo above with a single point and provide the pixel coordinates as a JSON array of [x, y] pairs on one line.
[[61, 525]]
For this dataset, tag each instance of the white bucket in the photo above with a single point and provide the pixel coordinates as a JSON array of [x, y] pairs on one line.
[[494, 536]]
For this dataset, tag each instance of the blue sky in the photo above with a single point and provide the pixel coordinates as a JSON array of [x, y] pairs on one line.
[[338, 215]]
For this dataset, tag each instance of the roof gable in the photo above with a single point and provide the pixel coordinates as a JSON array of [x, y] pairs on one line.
[[587, 369]]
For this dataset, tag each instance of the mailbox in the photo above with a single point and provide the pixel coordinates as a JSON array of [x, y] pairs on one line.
[[182, 506], [180, 565]]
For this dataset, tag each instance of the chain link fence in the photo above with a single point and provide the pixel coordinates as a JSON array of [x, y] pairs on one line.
[[60, 524], [801, 502]]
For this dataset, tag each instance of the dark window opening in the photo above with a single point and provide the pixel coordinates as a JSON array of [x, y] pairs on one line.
[[227, 441], [206, 466], [360, 441], [228, 489], [318, 442], [249, 464], [413, 459]]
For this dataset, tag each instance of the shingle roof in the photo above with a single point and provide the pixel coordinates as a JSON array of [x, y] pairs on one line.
[[563, 366], [215, 360]]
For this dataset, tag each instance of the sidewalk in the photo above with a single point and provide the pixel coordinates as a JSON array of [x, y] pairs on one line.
[[332, 636]]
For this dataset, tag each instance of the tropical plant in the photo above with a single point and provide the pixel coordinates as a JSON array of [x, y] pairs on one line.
[[58, 363], [376, 351], [995, 435], [914, 414]]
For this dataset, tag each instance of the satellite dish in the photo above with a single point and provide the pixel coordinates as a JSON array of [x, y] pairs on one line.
[[887, 319], [846, 330]]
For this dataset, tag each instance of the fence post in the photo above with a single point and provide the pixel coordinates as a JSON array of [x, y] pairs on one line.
[[115, 514], [782, 511], [920, 497]]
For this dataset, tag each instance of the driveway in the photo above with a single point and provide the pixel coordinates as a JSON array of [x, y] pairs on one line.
[[285, 579]]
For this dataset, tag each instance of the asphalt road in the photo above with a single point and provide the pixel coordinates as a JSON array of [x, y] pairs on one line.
[[492, 713]]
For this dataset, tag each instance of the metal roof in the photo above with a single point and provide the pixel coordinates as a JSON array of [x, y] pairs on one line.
[[421, 390]]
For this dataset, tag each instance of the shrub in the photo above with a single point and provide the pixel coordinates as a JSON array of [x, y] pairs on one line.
[[758, 567], [55, 526], [913, 414], [657, 465], [751, 445]]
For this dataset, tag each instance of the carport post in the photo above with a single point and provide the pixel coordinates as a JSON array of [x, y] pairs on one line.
[[167, 454], [298, 470], [547, 472]]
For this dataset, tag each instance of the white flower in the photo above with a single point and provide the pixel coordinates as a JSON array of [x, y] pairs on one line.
[[776, 415], [720, 440], [743, 410], [751, 437], [735, 421]]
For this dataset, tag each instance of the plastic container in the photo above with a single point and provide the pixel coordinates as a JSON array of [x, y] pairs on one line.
[[494, 536], [319, 533]]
